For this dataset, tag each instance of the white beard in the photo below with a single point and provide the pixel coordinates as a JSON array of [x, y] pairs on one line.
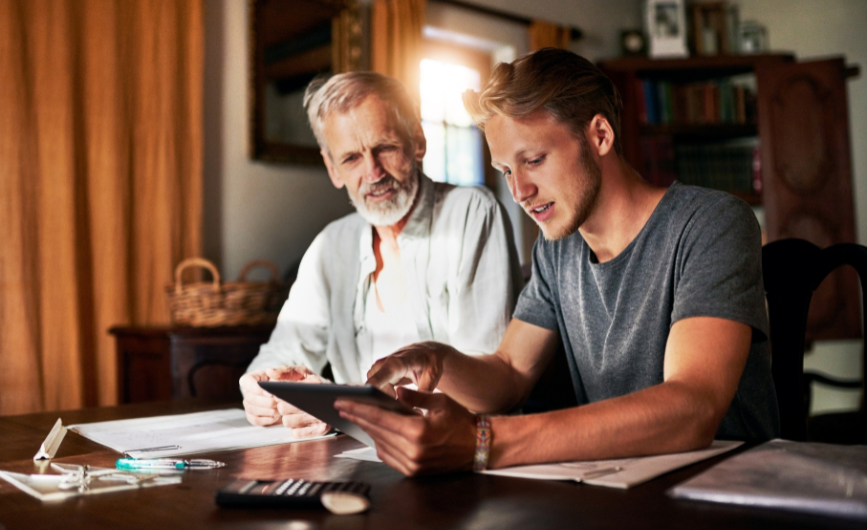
[[389, 212]]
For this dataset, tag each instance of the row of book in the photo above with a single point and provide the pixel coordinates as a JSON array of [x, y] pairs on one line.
[[723, 166], [711, 102]]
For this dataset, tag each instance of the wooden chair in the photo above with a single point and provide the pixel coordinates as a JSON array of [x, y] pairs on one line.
[[793, 270]]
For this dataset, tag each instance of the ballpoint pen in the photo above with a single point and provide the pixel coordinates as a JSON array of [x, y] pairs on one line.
[[166, 463]]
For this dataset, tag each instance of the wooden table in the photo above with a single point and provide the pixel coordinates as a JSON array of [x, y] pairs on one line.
[[452, 501]]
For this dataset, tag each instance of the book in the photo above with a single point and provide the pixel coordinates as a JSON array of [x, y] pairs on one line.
[[706, 102], [807, 477]]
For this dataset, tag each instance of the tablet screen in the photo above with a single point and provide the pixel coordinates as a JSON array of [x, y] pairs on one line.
[[318, 401]]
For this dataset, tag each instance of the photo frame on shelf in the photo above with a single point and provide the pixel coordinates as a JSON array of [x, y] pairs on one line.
[[666, 28], [752, 37]]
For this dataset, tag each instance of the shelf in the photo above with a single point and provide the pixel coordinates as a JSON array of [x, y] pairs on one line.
[[715, 65], [716, 131]]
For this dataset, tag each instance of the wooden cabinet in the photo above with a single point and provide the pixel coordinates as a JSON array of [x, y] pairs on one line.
[[800, 127], [159, 363]]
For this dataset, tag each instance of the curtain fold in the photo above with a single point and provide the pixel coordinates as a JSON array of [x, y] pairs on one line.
[[396, 40], [100, 185], [547, 35]]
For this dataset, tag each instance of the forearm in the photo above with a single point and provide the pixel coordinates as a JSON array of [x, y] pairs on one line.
[[481, 383], [503, 380], [666, 418]]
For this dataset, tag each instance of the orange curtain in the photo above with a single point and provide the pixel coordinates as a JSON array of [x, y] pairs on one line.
[[547, 35], [100, 185], [396, 44]]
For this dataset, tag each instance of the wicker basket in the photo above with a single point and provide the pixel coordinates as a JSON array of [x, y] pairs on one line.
[[209, 304]]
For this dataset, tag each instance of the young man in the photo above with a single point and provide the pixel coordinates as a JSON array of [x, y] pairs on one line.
[[418, 261], [656, 294]]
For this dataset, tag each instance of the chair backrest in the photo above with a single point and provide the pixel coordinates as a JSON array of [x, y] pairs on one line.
[[793, 270]]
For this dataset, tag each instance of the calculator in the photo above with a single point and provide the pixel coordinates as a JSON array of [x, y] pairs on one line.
[[337, 497]]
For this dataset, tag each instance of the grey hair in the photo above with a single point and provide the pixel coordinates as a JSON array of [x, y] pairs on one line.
[[343, 92]]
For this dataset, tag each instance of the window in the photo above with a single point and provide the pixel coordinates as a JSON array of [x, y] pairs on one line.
[[455, 151]]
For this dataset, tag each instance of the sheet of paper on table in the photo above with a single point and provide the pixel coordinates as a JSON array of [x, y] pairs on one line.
[[810, 477], [620, 473], [185, 434]]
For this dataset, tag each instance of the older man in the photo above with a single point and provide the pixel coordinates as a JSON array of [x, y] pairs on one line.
[[418, 261], [656, 294]]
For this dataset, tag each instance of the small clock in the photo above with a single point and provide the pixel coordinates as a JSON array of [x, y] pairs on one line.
[[633, 42]]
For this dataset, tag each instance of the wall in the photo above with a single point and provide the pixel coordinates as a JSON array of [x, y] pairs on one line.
[[253, 210]]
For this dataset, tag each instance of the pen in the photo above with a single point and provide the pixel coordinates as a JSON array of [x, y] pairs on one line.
[[166, 463]]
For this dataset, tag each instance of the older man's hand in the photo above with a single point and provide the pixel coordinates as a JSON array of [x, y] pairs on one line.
[[441, 440], [302, 425], [420, 364], [260, 406]]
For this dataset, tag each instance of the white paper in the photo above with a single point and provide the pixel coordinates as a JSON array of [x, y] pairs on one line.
[[47, 487], [52, 442], [184, 434], [621, 473], [632, 471], [367, 454]]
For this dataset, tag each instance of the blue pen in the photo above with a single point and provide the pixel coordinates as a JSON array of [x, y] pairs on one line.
[[131, 464]]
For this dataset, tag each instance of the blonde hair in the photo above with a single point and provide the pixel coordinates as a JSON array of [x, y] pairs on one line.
[[564, 84], [343, 92]]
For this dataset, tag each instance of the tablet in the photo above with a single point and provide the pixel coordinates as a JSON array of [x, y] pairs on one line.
[[318, 401]]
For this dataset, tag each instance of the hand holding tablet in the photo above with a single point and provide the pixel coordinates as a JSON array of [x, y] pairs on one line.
[[318, 401]]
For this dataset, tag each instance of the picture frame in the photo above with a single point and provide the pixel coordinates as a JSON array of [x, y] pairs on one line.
[[666, 28], [292, 42]]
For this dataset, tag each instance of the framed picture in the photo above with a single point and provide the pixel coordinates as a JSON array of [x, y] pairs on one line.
[[666, 28]]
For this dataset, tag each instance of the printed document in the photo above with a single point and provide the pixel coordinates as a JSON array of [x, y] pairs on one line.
[[184, 434]]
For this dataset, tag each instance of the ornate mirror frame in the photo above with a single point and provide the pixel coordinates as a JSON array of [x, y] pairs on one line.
[[291, 42]]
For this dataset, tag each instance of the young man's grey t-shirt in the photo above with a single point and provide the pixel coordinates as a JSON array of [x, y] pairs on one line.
[[699, 254]]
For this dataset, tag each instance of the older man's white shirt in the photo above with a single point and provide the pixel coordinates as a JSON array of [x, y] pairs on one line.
[[462, 280]]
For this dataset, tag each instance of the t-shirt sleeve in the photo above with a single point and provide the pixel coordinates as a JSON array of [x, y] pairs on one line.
[[719, 266], [536, 302]]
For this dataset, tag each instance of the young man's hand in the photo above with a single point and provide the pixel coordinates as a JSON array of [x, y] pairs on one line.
[[441, 440], [420, 364]]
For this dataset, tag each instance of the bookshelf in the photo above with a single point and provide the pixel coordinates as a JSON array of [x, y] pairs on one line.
[[693, 119], [782, 144]]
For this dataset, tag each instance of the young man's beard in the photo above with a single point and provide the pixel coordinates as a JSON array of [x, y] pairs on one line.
[[393, 210], [589, 183]]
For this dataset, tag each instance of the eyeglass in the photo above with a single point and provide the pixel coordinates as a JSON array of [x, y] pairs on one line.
[[75, 476]]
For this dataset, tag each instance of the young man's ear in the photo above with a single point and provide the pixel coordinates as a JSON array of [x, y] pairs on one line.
[[332, 173], [600, 134], [419, 141]]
